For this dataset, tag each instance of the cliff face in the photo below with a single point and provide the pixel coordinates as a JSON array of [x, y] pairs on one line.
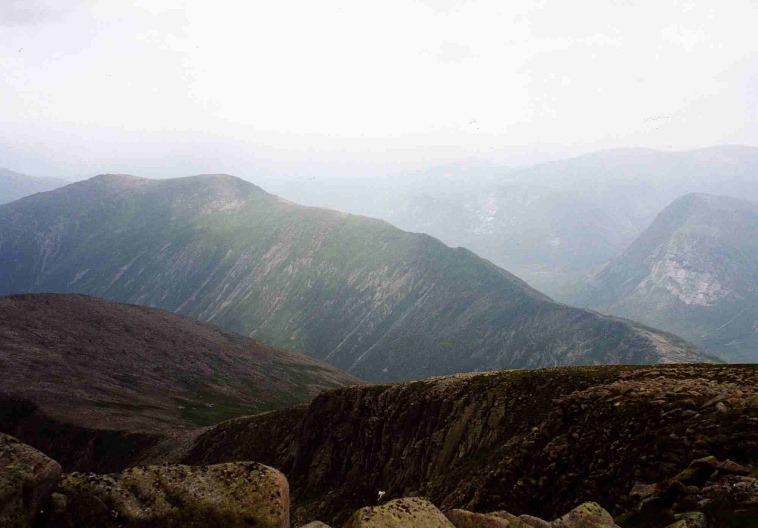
[[536, 442], [358, 293], [694, 272]]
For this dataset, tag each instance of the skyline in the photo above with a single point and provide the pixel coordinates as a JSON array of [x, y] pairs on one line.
[[169, 88]]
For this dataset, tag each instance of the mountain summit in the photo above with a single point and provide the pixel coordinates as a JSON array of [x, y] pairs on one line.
[[369, 298]]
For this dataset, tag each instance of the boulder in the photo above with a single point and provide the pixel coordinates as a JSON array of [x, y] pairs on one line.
[[587, 515], [315, 524], [27, 477], [232, 495], [533, 522], [690, 520], [467, 519], [400, 513]]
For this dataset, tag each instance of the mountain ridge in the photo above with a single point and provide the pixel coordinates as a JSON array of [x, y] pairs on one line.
[[694, 272], [355, 291]]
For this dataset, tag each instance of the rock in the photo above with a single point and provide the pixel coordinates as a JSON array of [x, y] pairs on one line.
[[698, 471], [467, 519], [729, 467], [690, 520], [232, 495], [534, 522], [27, 477], [587, 515], [315, 524], [400, 513]]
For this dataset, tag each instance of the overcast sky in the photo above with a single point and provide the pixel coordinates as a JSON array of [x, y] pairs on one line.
[[168, 87]]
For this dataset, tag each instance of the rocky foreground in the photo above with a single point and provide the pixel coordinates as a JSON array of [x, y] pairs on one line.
[[657, 446], [34, 493]]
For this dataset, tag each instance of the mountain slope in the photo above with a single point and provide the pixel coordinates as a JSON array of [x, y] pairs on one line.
[[356, 292], [693, 272], [552, 224], [14, 185], [92, 363]]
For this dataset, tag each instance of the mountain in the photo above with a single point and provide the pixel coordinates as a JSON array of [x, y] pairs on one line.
[[14, 185], [535, 442], [92, 363], [694, 271], [358, 293], [553, 224]]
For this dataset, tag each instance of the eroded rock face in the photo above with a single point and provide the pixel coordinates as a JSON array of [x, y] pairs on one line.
[[400, 513], [27, 477], [530, 442], [230, 495]]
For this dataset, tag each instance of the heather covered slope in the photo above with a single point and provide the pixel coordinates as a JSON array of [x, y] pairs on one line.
[[90, 363], [530, 442], [694, 272], [14, 185], [358, 293]]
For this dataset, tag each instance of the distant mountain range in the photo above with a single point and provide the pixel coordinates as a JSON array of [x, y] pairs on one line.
[[553, 224], [92, 363], [358, 293], [694, 271], [14, 185]]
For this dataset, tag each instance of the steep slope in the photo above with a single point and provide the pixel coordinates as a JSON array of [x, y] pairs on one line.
[[93, 363], [14, 185], [693, 272], [358, 293], [531, 442], [552, 224]]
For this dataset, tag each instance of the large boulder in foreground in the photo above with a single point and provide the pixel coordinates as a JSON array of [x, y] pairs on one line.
[[587, 515], [400, 513], [27, 477], [240, 494]]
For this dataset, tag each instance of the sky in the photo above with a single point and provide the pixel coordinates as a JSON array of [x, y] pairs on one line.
[[164, 88]]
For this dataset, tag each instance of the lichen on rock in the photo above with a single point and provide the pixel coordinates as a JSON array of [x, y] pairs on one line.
[[228, 495]]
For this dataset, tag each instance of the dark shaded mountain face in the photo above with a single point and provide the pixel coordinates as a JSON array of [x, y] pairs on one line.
[[14, 185], [358, 293], [693, 272], [553, 224], [533, 442], [90, 363]]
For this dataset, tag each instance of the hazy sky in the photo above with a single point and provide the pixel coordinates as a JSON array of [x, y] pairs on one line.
[[167, 88]]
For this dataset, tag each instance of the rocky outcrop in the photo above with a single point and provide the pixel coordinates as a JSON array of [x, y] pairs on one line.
[[251, 435], [230, 495], [707, 493], [530, 442], [26, 479], [399, 513]]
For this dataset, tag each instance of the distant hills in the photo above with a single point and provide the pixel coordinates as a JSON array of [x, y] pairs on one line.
[[552, 224], [14, 185], [694, 272], [358, 293], [91, 363]]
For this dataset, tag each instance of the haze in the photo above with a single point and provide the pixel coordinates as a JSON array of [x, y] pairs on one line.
[[168, 88]]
